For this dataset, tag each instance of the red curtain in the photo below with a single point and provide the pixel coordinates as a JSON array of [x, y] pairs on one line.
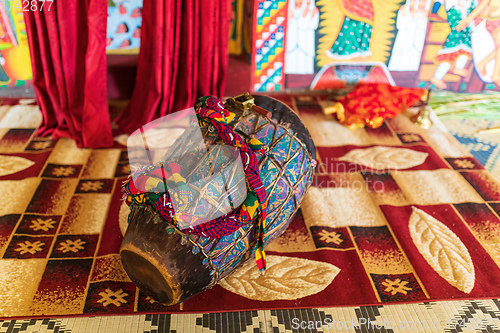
[[183, 56], [67, 47]]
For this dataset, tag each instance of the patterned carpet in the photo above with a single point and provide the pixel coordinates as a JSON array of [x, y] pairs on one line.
[[473, 120], [481, 138], [432, 317], [442, 316]]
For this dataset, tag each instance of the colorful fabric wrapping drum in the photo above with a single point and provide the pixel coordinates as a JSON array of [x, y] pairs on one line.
[[171, 264], [210, 111]]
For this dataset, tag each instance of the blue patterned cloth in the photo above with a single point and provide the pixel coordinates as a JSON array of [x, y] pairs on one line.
[[485, 152]]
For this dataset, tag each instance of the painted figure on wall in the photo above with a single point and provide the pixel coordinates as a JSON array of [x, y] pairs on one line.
[[303, 19], [446, 44], [353, 40], [489, 9], [456, 51], [411, 23]]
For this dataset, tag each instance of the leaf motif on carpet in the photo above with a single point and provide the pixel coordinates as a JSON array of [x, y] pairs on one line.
[[385, 158], [286, 278], [442, 249], [22, 116], [13, 164]]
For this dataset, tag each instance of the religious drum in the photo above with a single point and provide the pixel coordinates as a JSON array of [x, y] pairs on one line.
[[170, 265]]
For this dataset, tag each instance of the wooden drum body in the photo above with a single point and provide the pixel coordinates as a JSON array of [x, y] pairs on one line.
[[171, 266]]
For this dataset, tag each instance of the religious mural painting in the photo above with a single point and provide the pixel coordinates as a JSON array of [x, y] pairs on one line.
[[269, 45], [123, 36], [124, 25], [443, 44], [15, 66]]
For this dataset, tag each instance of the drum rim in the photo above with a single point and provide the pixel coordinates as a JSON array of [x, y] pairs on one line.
[[298, 124]]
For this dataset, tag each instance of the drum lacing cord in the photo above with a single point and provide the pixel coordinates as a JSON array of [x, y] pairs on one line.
[[211, 111]]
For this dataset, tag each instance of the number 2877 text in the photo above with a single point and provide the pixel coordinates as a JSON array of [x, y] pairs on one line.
[[30, 5]]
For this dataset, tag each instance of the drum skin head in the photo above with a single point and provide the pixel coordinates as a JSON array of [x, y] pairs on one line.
[[157, 262], [147, 276]]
